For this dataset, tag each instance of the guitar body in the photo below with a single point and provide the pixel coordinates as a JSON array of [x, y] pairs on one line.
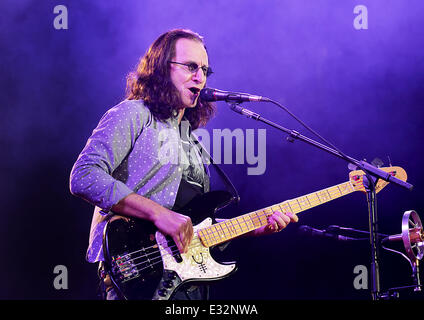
[[144, 264]]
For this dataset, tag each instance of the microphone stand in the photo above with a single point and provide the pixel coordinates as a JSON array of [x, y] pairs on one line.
[[372, 174]]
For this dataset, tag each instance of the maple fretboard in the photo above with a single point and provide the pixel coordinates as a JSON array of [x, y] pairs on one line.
[[232, 228]]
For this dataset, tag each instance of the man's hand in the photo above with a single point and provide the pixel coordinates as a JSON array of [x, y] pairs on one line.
[[170, 223], [276, 222], [176, 225]]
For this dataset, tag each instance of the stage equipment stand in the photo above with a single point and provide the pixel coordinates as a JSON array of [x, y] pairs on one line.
[[372, 174]]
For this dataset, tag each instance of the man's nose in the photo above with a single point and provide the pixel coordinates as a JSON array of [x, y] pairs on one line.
[[199, 76]]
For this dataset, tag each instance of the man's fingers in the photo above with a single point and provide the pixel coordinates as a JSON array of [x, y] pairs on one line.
[[179, 243], [185, 235], [278, 221], [293, 217]]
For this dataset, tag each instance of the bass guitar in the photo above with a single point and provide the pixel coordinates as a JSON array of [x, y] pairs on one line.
[[145, 264]]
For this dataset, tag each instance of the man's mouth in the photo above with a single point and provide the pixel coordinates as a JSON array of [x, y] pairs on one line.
[[194, 90], [195, 93]]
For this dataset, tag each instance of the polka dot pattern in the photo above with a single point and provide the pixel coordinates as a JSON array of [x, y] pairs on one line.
[[123, 155]]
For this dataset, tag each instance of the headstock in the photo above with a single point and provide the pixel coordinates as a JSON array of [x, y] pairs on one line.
[[356, 178]]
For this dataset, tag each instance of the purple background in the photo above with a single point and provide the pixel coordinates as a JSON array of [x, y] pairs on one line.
[[361, 89]]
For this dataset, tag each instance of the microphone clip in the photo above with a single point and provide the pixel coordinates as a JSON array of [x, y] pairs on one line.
[[235, 106]]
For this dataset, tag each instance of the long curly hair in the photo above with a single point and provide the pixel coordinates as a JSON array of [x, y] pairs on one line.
[[151, 81]]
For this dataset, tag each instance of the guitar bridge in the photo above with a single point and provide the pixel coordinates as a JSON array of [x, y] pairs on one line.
[[123, 267]]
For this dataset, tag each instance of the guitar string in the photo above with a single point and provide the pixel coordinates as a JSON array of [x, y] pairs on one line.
[[149, 265], [154, 263], [172, 252], [216, 232], [195, 238], [173, 246], [161, 254], [314, 198], [193, 244]]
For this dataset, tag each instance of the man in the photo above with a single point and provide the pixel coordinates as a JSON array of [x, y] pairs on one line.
[[121, 172]]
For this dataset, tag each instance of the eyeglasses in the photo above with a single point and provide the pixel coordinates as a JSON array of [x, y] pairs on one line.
[[194, 67]]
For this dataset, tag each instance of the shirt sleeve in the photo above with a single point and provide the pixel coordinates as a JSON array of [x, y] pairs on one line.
[[110, 143]]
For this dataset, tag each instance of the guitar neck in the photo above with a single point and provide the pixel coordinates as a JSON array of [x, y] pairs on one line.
[[232, 228]]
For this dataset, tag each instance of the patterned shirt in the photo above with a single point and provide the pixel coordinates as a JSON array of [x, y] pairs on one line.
[[130, 151]]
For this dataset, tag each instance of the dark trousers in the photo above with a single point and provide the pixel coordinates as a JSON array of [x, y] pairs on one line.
[[190, 293]]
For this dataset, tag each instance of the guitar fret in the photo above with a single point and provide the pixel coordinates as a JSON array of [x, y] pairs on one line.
[[237, 226], [298, 203], [231, 229], [291, 206], [210, 231], [234, 225], [228, 230], [274, 208], [291, 210], [202, 237], [216, 230], [243, 223], [285, 207], [301, 201], [241, 228], [223, 231], [221, 235], [249, 219], [211, 240], [322, 196], [258, 217], [251, 224], [308, 201], [204, 234], [209, 234], [295, 205], [255, 218], [317, 197], [246, 223]]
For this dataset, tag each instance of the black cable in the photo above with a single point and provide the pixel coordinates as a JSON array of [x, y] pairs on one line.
[[310, 129]]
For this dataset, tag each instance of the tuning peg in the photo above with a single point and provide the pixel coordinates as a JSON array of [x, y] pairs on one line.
[[377, 163], [352, 167], [390, 161]]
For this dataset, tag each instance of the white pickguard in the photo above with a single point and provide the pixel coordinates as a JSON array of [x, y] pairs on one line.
[[197, 263]]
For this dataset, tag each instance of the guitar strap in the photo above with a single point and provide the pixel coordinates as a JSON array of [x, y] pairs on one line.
[[228, 184]]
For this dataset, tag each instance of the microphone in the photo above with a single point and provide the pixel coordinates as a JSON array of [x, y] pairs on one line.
[[416, 235], [210, 94], [323, 233]]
